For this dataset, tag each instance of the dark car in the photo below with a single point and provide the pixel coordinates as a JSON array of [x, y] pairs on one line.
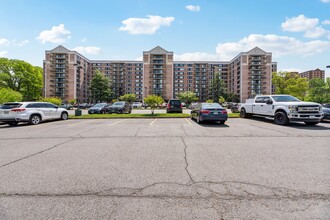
[[99, 108], [174, 105], [66, 106], [234, 108], [326, 105], [209, 112], [326, 112], [120, 107]]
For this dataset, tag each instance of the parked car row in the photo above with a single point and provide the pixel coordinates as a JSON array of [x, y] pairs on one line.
[[117, 107]]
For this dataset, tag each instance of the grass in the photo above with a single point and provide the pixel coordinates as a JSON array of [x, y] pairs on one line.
[[161, 115]]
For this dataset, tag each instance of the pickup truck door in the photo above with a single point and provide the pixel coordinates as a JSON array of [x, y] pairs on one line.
[[267, 106], [257, 104]]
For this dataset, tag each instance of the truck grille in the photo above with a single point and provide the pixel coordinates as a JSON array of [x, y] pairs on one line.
[[308, 109]]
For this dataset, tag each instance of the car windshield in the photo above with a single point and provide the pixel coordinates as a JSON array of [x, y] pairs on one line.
[[99, 105], [285, 98], [119, 103], [211, 105]]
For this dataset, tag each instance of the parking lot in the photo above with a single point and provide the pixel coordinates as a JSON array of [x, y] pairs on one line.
[[164, 169]]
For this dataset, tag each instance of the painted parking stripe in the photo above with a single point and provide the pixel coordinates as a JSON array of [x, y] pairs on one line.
[[153, 122], [188, 121], [117, 122]]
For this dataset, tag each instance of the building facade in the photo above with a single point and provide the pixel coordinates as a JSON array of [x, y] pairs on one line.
[[67, 75], [312, 74]]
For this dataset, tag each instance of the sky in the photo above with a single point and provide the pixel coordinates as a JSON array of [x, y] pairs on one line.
[[296, 32]]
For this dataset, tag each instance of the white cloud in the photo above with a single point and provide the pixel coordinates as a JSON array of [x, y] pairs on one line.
[[308, 25], [58, 34], [145, 25], [87, 50], [193, 7], [325, 1], [326, 22], [196, 56], [22, 43], [3, 53], [291, 70], [299, 24], [278, 45], [4, 42]]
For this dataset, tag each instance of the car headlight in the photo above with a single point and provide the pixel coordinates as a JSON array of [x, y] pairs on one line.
[[292, 108]]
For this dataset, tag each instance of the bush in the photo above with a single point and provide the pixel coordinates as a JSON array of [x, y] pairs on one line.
[[54, 100], [8, 95]]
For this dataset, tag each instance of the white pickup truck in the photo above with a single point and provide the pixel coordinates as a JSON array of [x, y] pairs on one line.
[[283, 108]]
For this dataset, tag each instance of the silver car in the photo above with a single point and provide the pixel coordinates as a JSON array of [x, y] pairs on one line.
[[31, 112]]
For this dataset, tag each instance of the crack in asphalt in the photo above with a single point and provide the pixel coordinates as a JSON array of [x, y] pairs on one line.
[[186, 160], [40, 152], [195, 190]]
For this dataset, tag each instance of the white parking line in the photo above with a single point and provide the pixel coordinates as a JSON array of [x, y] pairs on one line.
[[86, 121], [117, 122], [153, 122]]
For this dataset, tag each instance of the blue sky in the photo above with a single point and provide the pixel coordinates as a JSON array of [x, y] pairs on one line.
[[297, 32]]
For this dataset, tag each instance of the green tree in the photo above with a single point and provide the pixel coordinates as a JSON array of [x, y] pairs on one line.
[[217, 87], [209, 101], [153, 101], [231, 97], [22, 77], [291, 84], [100, 88], [319, 90], [54, 100], [128, 97], [8, 95], [187, 97], [221, 99]]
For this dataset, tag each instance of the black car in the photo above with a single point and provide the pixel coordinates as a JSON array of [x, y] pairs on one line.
[[209, 112], [326, 112], [326, 105], [99, 108], [120, 107], [174, 105]]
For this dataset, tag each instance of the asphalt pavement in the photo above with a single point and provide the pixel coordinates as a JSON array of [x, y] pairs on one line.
[[164, 169]]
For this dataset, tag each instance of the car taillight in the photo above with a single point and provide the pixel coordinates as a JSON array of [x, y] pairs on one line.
[[18, 109], [168, 105], [224, 112], [205, 111], [180, 105]]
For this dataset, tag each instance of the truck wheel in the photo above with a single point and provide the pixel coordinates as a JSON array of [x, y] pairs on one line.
[[311, 123], [280, 118], [243, 113]]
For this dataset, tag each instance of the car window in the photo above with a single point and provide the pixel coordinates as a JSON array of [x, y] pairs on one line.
[[31, 105], [211, 105], [259, 100], [49, 105], [10, 105], [285, 98], [40, 105], [175, 102]]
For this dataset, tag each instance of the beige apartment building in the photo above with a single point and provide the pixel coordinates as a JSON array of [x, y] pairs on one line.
[[67, 75], [312, 74]]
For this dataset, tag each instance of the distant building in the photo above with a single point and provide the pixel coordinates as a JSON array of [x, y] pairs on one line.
[[312, 74], [67, 75]]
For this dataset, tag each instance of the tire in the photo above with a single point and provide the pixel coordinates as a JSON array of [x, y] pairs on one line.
[[243, 114], [34, 119], [64, 116], [311, 123], [222, 122], [280, 118]]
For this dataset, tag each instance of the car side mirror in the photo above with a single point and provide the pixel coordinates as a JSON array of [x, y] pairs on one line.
[[269, 102]]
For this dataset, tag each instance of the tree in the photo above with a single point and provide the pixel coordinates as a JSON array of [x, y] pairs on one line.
[[153, 101], [8, 95], [128, 97], [221, 99], [291, 84], [54, 100], [22, 77], [187, 97], [319, 90], [100, 88], [217, 87]]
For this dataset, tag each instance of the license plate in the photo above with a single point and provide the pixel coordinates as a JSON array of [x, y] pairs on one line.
[[215, 113]]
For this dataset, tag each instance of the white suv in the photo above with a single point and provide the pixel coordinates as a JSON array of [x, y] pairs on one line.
[[32, 112]]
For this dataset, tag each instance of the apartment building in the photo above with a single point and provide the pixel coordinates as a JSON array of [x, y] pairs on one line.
[[312, 74], [67, 75]]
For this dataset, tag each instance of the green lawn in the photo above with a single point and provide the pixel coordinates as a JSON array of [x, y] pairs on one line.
[[161, 115]]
